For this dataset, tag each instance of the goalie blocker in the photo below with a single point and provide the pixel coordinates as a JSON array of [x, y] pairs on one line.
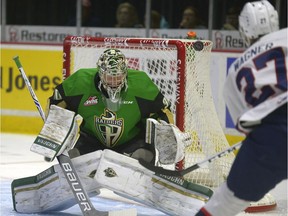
[[59, 133]]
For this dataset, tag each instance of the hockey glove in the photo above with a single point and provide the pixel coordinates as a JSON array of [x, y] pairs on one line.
[[168, 141], [59, 133]]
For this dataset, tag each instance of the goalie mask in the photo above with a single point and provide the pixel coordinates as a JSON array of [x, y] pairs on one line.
[[257, 19], [113, 77]]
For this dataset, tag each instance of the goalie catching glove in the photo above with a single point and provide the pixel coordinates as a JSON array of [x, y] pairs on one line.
[[168, 141], [59, 133]]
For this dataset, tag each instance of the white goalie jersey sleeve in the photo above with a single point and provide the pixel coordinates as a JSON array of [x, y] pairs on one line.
[[256, 84]]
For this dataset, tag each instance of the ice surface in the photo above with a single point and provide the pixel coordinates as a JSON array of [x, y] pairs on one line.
[[17, 161]]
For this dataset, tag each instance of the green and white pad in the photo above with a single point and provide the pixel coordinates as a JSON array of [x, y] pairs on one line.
[[50, 191], [59, 133], [171, 195]]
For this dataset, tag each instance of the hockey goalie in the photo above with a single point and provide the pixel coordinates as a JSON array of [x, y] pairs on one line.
[[110, 103], [49, 191]]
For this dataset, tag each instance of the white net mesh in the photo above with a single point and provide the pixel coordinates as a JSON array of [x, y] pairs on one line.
[[181, 69], [201, 120], [160, 64]]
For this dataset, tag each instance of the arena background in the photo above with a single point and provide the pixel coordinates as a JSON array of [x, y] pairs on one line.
[[35, 30]]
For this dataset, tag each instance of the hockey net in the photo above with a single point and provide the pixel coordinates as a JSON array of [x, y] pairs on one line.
[[181, 70]]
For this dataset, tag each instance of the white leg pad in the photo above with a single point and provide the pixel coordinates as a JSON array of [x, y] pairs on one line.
[[50, 191], [126, 177]]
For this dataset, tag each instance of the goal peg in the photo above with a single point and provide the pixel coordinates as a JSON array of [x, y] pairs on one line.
[[191, 35]]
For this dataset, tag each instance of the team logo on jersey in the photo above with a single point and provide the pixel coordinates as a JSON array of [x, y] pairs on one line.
[[92, 100], [109, 128]]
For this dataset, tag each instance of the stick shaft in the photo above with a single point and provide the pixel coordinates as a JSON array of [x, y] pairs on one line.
[[160, 170], [211, 158], [32, 93]]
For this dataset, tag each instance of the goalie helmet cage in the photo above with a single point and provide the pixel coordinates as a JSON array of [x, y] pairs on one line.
[[181, 70]]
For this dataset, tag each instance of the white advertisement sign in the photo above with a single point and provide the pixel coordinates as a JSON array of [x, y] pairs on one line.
[[228, 40]]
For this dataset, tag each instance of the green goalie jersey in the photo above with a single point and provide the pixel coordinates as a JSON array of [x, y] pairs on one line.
[[80, 93]]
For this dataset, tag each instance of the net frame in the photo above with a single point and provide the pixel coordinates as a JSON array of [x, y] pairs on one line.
[[187, 69], [120, 43], [201, 147]]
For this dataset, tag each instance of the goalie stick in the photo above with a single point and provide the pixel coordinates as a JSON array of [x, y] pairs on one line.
[[67, 166], [160, 170]]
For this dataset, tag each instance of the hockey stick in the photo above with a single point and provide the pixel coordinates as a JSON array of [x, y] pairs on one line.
[[83, 200], [160, 170]]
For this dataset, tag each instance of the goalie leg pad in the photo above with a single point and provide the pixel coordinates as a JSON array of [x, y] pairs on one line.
[[50, 191], [171, 195]]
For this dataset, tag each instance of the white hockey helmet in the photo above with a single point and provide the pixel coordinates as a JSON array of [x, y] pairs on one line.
[[256, 19], [113, 76]]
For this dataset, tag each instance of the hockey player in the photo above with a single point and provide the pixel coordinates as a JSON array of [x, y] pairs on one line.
[[256, 95], [114, 102]]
